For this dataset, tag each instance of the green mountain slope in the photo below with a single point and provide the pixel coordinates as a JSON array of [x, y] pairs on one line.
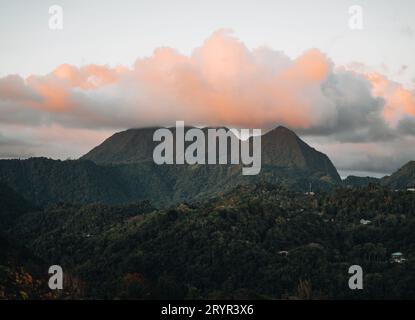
[[281, 147], [358, 182], [404, 178], [122, 170]]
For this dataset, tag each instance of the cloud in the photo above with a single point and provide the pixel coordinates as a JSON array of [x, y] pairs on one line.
[[380, 158], [399, 102], [13, 88], [407, 126], [20, 141], [356, 114], [221, 83]]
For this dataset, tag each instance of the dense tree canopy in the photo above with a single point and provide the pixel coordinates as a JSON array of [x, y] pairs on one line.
[[260, 241]]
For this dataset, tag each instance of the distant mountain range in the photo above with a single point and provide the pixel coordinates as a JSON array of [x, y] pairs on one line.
[[122, 170], [403, 178]]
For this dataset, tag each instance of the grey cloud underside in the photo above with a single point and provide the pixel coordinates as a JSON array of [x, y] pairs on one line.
[[14, 148], [380, 158], [407, 126], [358, 114]]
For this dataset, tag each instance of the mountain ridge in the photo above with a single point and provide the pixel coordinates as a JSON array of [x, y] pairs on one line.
[[281, 147], [403, 178]]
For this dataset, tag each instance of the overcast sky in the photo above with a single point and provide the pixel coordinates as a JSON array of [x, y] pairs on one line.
[[349, 93]]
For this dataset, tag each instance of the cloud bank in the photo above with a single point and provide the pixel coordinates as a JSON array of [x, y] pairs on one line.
[[221, 83]]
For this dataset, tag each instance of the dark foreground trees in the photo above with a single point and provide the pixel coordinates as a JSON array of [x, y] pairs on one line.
[[254, 242]]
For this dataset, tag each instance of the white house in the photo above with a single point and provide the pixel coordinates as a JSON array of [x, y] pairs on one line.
[[397, 257], [365, 222], [283, 253]]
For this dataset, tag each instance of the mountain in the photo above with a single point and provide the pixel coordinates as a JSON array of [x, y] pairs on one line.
[[286, 160], [130, 146], [402, 179], [281, 148], [122, 170], [359, 182]]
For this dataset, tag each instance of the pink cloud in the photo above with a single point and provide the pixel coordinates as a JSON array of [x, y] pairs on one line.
[[399, 102], [221, 83], [357, 114]]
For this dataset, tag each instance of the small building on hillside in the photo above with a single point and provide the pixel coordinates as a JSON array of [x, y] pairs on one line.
[[397, 257], [310, 192], [365, 222], [283, 253], [411, 189]]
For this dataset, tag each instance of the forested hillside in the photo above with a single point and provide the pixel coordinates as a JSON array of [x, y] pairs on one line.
[[258, 241], [22, 274]]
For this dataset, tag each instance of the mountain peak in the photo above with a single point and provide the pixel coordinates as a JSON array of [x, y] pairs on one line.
[[410, 164], [283, 130], [402, 178], [281, 148]]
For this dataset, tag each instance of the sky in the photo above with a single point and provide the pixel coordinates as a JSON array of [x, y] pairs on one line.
[[118, 64]]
